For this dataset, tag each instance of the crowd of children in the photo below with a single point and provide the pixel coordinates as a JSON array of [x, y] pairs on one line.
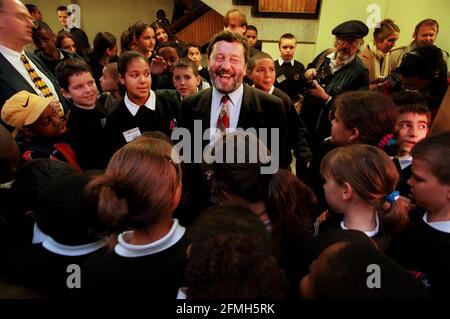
[[102, 188]]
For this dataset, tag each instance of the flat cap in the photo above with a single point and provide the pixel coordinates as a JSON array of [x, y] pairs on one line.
[[352, 28]]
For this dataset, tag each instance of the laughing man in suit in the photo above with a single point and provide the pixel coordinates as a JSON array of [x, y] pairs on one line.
[[248, 107]]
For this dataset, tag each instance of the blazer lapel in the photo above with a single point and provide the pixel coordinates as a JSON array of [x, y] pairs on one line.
[[12, 77], [203, 108], [250, 110]]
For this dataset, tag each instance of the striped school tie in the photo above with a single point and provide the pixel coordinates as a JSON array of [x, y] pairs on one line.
[[39, 83], [37, 80]]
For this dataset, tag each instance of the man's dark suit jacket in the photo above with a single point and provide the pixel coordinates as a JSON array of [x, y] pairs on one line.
[[12, 82], [297, 134], [258, 110]]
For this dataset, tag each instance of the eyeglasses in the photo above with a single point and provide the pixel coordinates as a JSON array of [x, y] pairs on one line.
[[21, 16]]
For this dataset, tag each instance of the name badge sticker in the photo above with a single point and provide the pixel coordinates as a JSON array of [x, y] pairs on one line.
[[131, 134], [281, 78]]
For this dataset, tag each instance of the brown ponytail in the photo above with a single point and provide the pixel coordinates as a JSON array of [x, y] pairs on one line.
[[138, 185]]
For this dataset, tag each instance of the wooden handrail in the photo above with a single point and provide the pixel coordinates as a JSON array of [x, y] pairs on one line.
[[193, 14]]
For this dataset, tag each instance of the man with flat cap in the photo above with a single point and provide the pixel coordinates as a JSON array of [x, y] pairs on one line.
[[334, 71]]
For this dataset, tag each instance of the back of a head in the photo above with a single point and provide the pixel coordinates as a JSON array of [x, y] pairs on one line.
[[333, 236], [102, 42], [236, 164], [359, 271], [66, 213], [424, 62], [371, 113], [230, 257], [372, 175], [9, 155], [138, 186], [34, 177], [289, 204], [435, 151]]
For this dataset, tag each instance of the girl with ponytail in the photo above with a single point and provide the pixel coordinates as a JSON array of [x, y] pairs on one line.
[[360, 184], [137, 196]]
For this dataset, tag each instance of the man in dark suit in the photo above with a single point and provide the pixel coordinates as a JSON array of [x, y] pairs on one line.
[[247, 107], [16, 27]]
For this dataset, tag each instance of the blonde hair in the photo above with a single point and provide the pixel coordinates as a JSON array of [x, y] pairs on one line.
[[386, 28], [372, 175]]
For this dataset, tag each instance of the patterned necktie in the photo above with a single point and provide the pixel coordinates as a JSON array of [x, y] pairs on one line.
[[39, 83], [223, 122], [37, 80]]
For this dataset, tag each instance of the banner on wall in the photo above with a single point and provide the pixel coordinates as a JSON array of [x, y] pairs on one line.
[[74, 11]]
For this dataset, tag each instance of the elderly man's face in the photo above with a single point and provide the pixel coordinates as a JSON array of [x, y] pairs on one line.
[[347, 47]]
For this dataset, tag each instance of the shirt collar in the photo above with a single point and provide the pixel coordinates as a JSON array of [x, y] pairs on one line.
[[371, 233], [332, 57], [271, 90], [233, 96], [7, 185], [281, 61], [405, 161], [60, 249], [134, 108], [85, 107], [38, 235], [125, 249], [10, 52], [441, 226]]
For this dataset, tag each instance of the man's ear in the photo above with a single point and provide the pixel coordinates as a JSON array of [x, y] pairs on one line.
[[354, 136], [347, 191], [198, 80]]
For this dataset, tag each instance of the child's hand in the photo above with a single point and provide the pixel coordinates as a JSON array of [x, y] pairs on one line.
[[159, 65], [323, 217]]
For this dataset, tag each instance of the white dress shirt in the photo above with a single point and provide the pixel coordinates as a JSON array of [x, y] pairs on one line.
[[234, 109]]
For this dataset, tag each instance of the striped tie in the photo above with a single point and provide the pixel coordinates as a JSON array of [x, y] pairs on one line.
[[223, 122], [37, 80], [39, 83]]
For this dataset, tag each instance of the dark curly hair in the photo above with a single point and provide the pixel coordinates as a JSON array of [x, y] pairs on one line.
[[230, 257]]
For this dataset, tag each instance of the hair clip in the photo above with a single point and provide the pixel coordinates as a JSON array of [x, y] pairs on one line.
[[385, 140], [392, 197]]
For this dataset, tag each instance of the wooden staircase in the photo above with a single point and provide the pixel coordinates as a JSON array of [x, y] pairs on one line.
[[198, 25]]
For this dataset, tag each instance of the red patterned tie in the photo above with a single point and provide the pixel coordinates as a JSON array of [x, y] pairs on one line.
[[223, 122]]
